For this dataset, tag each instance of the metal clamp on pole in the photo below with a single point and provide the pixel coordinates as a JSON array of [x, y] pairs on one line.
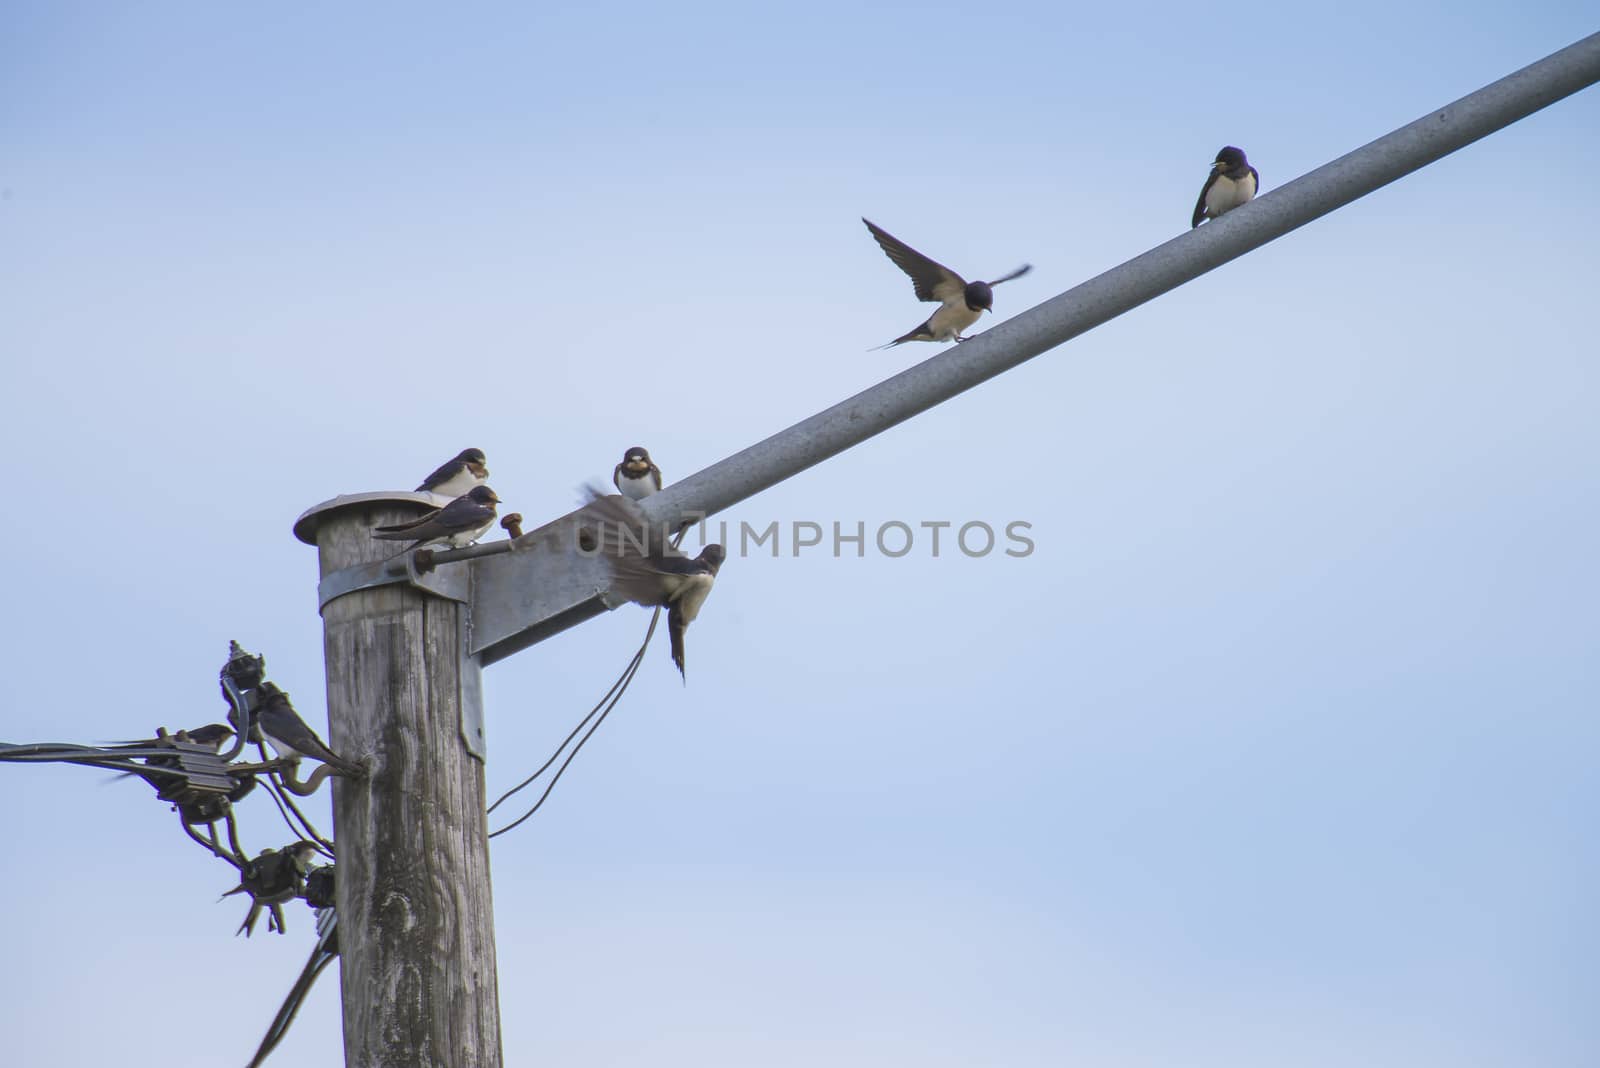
[[451, 583]]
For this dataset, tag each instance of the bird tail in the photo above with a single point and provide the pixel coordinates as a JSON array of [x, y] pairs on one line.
[[921, 333], [676, 625], [339, 763], [398, 532]]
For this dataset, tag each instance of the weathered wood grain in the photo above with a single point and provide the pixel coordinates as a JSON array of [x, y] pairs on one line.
[[416, 923]]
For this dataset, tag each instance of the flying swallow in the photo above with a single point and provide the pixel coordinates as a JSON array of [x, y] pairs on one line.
[[660, 576], [458, 524], [290, 737], [637, 476], [469, 468], [1232, 182], [271, 879], [961, 302]]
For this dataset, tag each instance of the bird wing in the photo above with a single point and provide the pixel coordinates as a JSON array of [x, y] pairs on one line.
[[931, 280], [1018, 273], [464, 513], [636, 554], [679, 565], [442, 474], [317, 749], [1257, 177], [1200, 205], [401, 530], [280, 719], [623, 528]]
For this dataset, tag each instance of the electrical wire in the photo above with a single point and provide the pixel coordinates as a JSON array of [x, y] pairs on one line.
[[609, 701], [322, 954]]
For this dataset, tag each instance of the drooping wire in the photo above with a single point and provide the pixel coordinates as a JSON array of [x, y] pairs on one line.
[[603, 708], [280, 794], [281, 810], [322, 954], [280, 798]]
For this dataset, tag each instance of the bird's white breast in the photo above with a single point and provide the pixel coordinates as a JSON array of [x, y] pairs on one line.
[[466, 537], [951, 320], [457, 484], [689, 591], [1226, 194], [636, 488]]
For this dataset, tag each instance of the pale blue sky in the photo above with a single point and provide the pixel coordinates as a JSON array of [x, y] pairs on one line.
[[1277, 750]]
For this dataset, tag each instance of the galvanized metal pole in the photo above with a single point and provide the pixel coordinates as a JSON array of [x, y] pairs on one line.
[[522, 597], [1184, 258]]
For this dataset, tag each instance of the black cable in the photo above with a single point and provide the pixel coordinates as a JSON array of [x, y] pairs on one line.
[[273, 793], [212, 849], [322, 954], [545, 766], [312, 833], [618, 688], [281, 798]]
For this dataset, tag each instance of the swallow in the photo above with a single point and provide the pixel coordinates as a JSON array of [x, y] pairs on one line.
[[637, 476], [458, 524], [213, 736], [1232, 182], [466, 470], [660, 576], [961, 302], [271, 879], [319, 887], [281, 726]]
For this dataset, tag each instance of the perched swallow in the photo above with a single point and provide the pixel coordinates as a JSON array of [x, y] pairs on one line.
[[637, 476], [290, 737], [961, 302], [1232, 182], [458, 524], [319, 887], [213, 736], [659, 577], [271, 879], [469, 468]]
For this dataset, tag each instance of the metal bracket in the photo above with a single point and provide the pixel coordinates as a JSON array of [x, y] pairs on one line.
[[452, 583], [545, 584], [469, 674]]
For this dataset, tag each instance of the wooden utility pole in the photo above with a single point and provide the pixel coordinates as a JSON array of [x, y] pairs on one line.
[[416, 921]]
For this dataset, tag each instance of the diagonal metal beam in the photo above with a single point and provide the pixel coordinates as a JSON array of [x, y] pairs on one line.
[[550, 595]]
